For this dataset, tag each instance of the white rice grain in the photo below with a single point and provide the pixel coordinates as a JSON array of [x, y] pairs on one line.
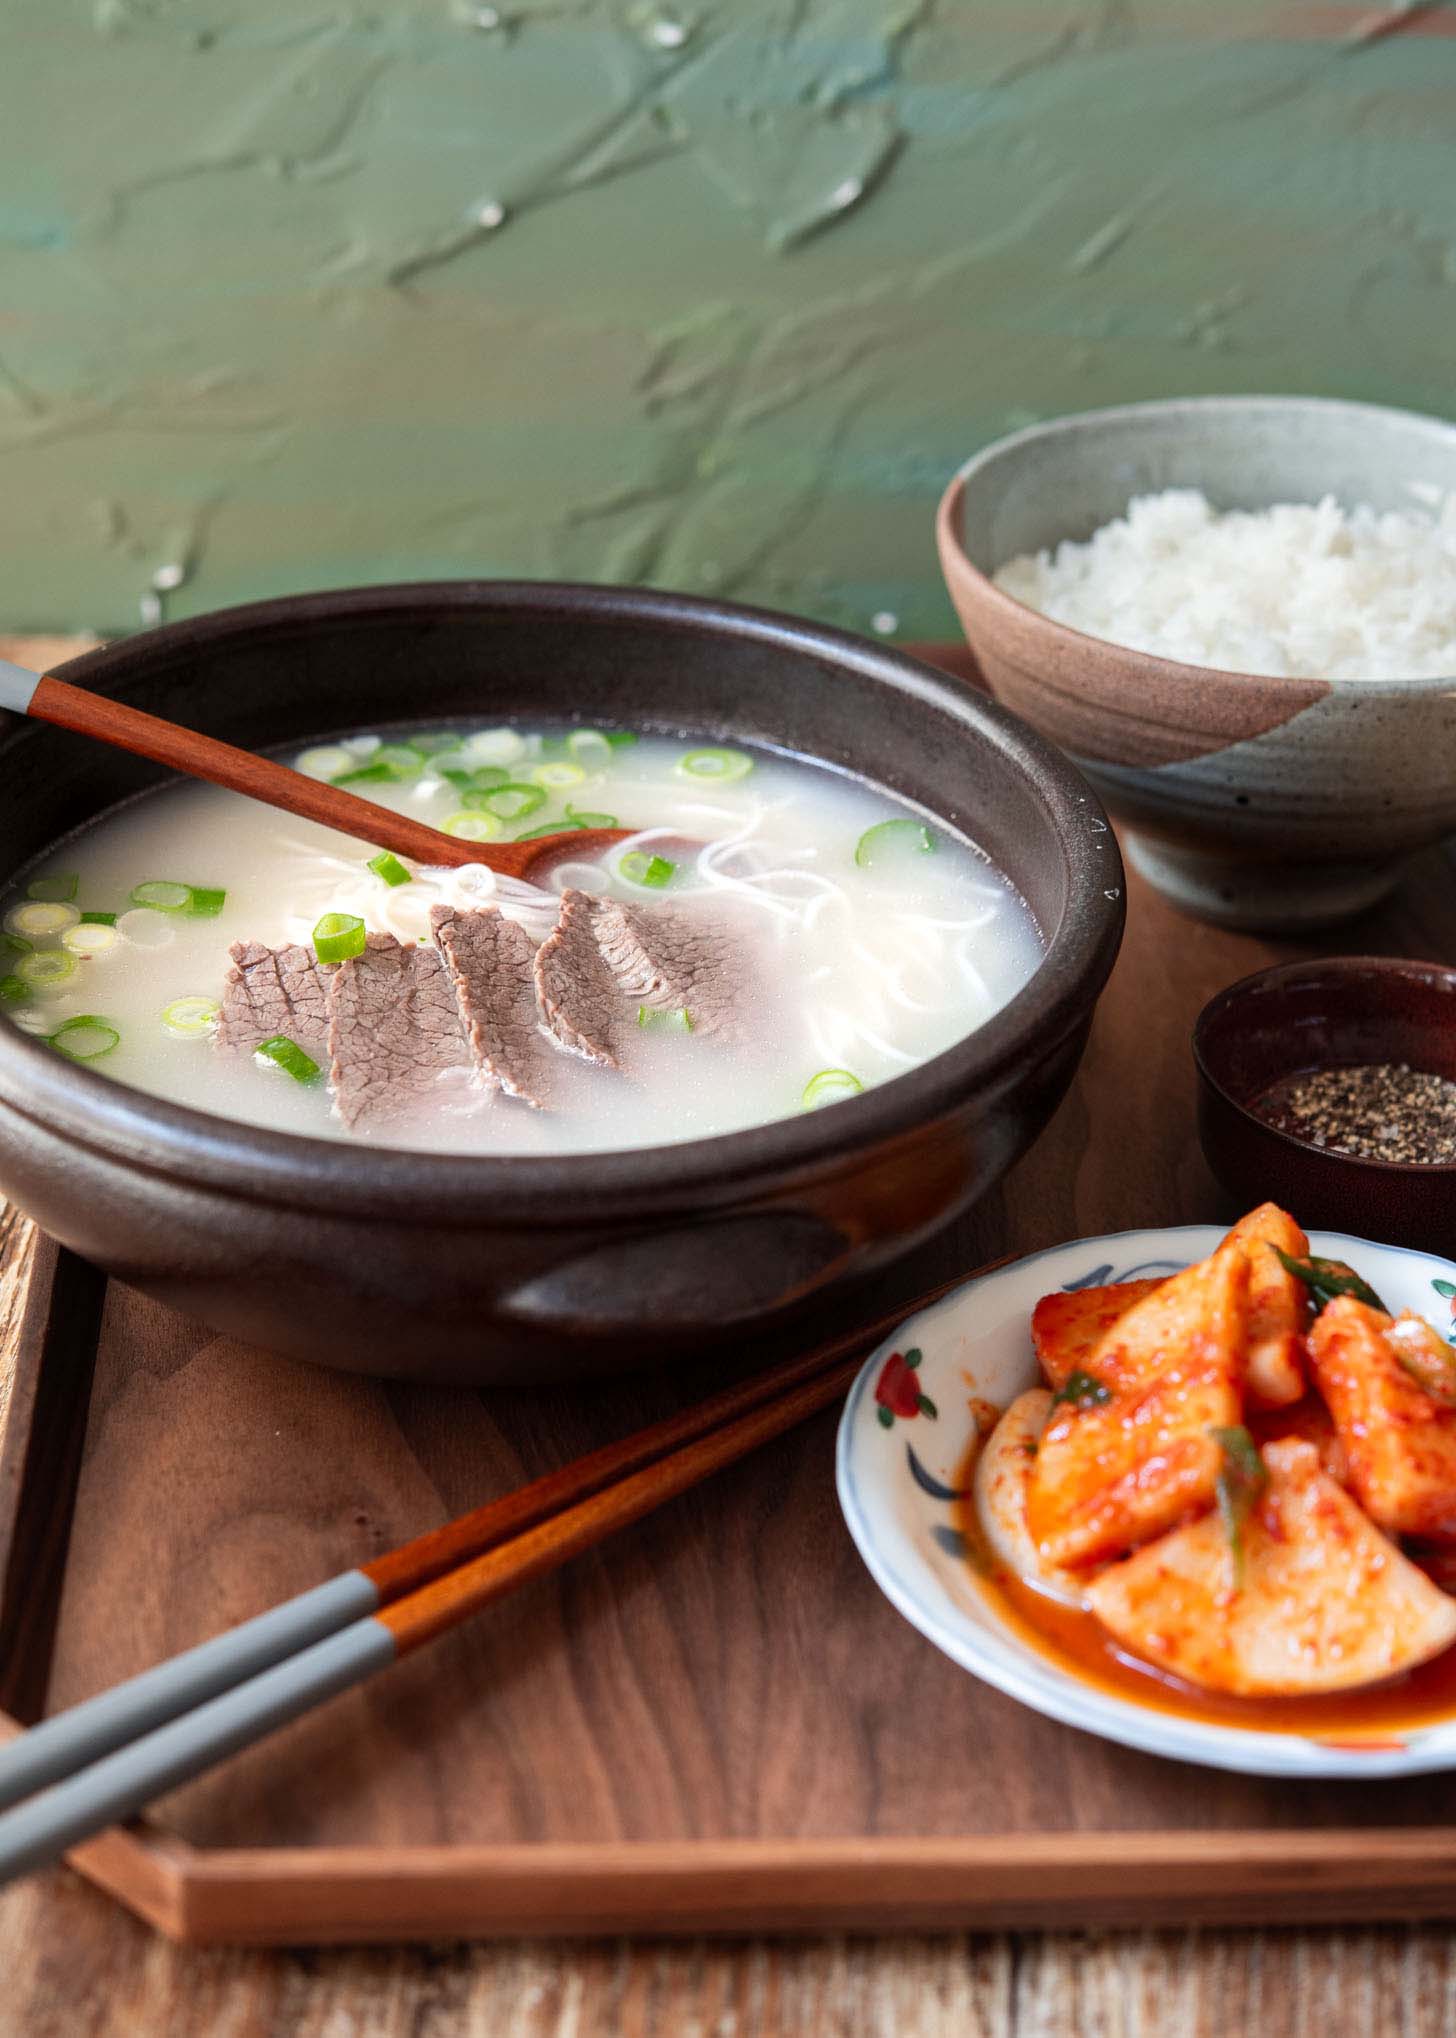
[[1297, 591]]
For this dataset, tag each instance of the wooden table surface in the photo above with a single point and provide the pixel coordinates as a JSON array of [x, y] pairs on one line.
[[74, 1963]]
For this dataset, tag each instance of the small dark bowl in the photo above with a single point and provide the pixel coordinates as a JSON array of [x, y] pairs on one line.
[[456, 1267], [1308, 1015]]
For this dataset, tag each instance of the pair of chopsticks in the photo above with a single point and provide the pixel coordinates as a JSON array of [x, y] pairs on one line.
[[104, 1759]]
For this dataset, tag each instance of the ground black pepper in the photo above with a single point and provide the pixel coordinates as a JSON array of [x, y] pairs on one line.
[[1379, 1111]]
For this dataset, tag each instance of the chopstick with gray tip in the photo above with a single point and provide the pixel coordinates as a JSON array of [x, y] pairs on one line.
[[92, 1729], [293, 1635], [122, 1782], [17, 687]]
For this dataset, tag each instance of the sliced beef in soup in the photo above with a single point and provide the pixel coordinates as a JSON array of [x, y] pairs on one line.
[[673, 961], [491, 962], [268, 991], [580, 1001], [393, 1027]]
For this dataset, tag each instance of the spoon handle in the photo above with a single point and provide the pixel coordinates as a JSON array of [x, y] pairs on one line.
[[91, 714], [185, 750]]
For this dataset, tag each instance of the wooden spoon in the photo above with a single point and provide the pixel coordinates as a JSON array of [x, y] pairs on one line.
[[71, 707]]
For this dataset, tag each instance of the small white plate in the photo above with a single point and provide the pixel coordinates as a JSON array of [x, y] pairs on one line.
[[897, 1476]]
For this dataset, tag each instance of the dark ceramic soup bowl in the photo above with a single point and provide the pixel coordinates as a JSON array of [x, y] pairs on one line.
[[433, 1266]]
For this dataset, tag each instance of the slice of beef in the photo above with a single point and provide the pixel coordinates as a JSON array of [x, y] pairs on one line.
[[673, 961], [269, 991], [491, 963], [393, 1027], [579, 999]]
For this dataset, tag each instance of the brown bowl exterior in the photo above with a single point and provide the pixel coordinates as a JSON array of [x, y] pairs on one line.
[[529, 1269], [1276, 804], [1107, 703], [1304, 1015]]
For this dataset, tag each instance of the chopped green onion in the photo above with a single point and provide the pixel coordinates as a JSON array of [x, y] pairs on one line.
[[388, 866], [830, 1086], [461, 769], [89, 939], [161, 894], [433, 746], [41, 919], [338, 936], [1326, 1279], [547, 828], [551, 746], [390, 764], [190, 1018], [657, 1021], [15, 944], [1081, 1390], [85, 1038], [592, 744], [282, 1053], [584, 819], [326, 761], [721, 767], [558, 773], [46, 967], [472, 827], [620, 738], [494, 746], [98, 919], [641, 869], [1241, 1480], [56, 890], [207, 901], [1433, 1374], [512, 801], [900, 836], [13, 990]]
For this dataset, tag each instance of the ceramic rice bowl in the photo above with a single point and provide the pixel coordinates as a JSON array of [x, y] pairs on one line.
[[1253, 802]]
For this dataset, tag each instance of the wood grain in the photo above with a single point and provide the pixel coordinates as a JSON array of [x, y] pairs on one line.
[[77, 1967], [207, 1466]]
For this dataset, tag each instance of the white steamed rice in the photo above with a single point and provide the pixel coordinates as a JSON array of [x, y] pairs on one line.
[[1300, 590]]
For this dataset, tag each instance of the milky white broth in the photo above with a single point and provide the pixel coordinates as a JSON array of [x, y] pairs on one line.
[[871, 970]]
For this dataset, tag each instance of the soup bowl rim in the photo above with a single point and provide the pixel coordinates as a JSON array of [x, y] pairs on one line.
[[111, 1118]]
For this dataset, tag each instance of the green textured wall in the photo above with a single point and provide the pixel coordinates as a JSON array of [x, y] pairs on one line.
[[711, 293]]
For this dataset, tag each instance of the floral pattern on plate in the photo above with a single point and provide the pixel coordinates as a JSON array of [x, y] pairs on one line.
[[898, 1488]]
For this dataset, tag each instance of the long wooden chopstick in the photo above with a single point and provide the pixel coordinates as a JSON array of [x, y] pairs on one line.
[[93, 1728], [108, 1757]]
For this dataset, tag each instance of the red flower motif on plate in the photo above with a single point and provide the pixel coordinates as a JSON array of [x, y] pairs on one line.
[[897, 1390]]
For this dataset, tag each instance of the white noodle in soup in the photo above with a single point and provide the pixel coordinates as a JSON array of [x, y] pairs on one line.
[[870, 937]]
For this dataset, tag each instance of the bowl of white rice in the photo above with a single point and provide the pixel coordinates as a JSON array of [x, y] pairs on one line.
[[1239, 616]]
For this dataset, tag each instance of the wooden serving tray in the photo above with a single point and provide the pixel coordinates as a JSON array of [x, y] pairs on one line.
[[714, 1723]]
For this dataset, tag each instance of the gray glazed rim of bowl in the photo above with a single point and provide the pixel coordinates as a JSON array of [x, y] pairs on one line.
[[180, 1143], [948, 522], [1289, 972]]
